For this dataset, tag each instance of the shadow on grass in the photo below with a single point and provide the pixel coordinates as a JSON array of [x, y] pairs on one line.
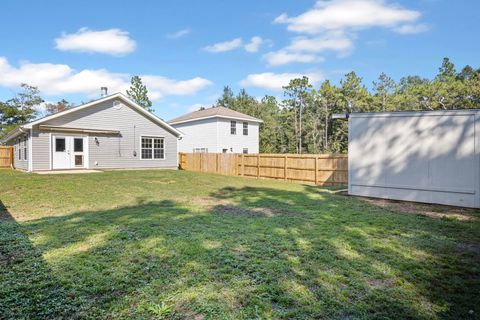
[[28, 288], [253, 252]]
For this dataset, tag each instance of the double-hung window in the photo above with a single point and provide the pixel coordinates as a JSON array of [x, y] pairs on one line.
[[19, 148], [152, 148], [245, 128], [25, 150], [233, 127]]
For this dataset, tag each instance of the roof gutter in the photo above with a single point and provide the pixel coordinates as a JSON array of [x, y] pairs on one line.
[[12, 134]]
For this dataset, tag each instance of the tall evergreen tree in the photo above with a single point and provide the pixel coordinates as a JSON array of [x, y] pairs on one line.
[[227, 99], [138, 92]]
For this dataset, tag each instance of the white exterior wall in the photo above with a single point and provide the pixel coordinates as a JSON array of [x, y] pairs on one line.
[[236, 143], [214, 134], [198, 134], [431, 157]]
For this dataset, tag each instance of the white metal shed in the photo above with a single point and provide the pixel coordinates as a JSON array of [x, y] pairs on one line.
[[431, 156]]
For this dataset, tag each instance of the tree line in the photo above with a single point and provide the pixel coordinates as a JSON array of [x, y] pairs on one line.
[[302, 121]]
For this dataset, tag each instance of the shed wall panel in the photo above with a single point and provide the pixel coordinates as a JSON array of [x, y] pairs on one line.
[[417, 156]]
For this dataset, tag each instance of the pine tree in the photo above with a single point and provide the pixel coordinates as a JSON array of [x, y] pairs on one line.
[[139, 93]]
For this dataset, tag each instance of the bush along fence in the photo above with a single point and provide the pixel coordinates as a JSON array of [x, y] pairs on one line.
[[320, 169], [6, 157]]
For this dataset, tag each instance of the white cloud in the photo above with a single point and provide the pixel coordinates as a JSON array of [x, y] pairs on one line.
[[282, 57], [254, 44], [333, 25], [348, 14], [59, 79], [179, 34], [237, 43], [338, 43], [275, 81], [159, 85], [112, 41], [412, 28], [224, 46]]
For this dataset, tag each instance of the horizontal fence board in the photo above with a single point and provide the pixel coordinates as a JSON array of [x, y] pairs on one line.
[[321, 169]]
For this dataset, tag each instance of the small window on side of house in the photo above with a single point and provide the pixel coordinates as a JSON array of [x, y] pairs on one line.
[[25, 148], [245, 128], [245, 150], [233, 127], [200, 150], [19, 149]]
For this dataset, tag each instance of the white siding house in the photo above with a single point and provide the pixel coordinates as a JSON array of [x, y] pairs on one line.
[[109, 133], [218, 130]]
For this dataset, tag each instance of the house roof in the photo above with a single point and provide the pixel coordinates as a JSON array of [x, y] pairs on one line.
[[214, 112], [119, 96]]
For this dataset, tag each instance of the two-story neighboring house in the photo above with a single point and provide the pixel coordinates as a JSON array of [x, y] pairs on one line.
[[218, 130]]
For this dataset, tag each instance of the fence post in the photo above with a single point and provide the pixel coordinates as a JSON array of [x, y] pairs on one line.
[[216, 163], [258, 165], [12, 158], [285, 168], [243, 165], [316, 170]]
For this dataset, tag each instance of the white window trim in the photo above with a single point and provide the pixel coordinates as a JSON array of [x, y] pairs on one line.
[[20, 148], [25, 148], [233, 134], [243, 128], [153, 137]]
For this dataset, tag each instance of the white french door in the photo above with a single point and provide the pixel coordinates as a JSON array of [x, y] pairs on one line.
[[69, 152]]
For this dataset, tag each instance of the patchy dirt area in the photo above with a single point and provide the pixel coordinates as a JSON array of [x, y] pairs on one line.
[[425, 209], [259, 211], [227, 206]]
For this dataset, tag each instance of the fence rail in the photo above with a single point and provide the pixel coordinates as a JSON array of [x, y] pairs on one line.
[[320, 169], [6, 157]]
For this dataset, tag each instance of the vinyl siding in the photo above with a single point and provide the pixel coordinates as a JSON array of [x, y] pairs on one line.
[[19, 163], [236, 142], [198, 134], [214, 134], [429, 157], [111, 151], [40, 150]]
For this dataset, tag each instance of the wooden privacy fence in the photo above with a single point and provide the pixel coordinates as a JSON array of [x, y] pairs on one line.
[[321, 169], [6, 157]]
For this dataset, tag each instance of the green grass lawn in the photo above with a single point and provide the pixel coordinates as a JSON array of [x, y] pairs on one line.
[[183, 245]]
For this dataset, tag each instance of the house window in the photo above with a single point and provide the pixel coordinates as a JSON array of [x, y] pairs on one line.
[[59, 144], [78, 145], [19, 149], [245, 128], [200, 150], [25, 150], [245, 150], [152, 148], [233, 127]]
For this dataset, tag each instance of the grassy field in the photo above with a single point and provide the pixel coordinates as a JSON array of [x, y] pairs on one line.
[[183, 245]]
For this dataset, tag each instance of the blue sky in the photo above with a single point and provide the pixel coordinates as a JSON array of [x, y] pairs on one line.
[[186, 51]]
